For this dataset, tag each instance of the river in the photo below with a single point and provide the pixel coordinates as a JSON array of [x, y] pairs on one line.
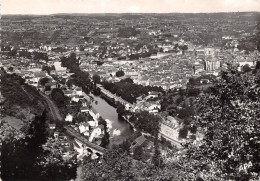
[[107, 111]]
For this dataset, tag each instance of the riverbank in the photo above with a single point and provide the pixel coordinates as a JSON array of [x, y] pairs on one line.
[[112, 102], [127, 120], [108, 111]]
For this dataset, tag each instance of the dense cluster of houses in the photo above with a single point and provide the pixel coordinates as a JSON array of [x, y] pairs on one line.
[[90, 129]]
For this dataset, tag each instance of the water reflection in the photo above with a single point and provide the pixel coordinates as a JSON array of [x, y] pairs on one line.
[[120, 129]]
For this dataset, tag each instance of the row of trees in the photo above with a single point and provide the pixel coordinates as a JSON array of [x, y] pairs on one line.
[[81, 78], [129, 91]]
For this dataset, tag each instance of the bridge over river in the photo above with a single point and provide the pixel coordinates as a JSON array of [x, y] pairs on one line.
[[80, 140]]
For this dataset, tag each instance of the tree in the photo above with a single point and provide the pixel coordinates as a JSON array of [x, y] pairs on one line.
[[31, 162], [44, 80], [157, 158], [141, 120], [12, 52], [186, 112], [40, 55], [114, 166], [184, 47], [229, 119], [96, 79], [120, 73], [138, 153], [192, 81], [183, 132], [21, 164], [105, 139], [51, 164], [120, 109], [10, 69], [129, 80], [48, 69], [38, 131], [257, 66], [246, 68], [125, 146], [193, 92], [58, 96], [71, 82], [81, 118]]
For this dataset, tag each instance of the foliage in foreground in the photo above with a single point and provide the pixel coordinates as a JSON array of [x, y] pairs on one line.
[[25, 159], [118, 165], [229, 117]]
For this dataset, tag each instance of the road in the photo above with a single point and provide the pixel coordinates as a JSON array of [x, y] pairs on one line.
[[57, 116], [46, 100], [53, 108]]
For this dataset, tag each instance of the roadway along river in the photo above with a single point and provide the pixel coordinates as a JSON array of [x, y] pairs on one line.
[[107, 111]]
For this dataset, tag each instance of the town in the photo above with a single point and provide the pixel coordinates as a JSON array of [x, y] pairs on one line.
[[117, 82]]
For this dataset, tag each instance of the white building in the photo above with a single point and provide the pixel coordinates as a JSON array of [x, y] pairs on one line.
[[69, 118]]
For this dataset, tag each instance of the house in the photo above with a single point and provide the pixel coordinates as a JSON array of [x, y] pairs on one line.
[[154, 94], [53, 72], [100, 130], [144, 80], [138, 142], [52, 126], [78, 91], [75, 98], [84, 128], [170, 130], [47, 93], [94, 114], [68, 93], [84, 102], [56, 134], [128, 106], [41, 88], [93, 123], [37, 76], [204, 81], [51, 85], [58, 67], [84, 109], [154, 107], [69, 118], [97, 132]]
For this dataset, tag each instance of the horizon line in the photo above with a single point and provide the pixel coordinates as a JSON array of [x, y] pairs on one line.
[[137, 13]]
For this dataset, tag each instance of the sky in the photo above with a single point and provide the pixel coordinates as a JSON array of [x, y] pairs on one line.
[[126, 6]]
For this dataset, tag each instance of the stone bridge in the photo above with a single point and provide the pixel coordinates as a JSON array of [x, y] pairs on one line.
[[84, 144]]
